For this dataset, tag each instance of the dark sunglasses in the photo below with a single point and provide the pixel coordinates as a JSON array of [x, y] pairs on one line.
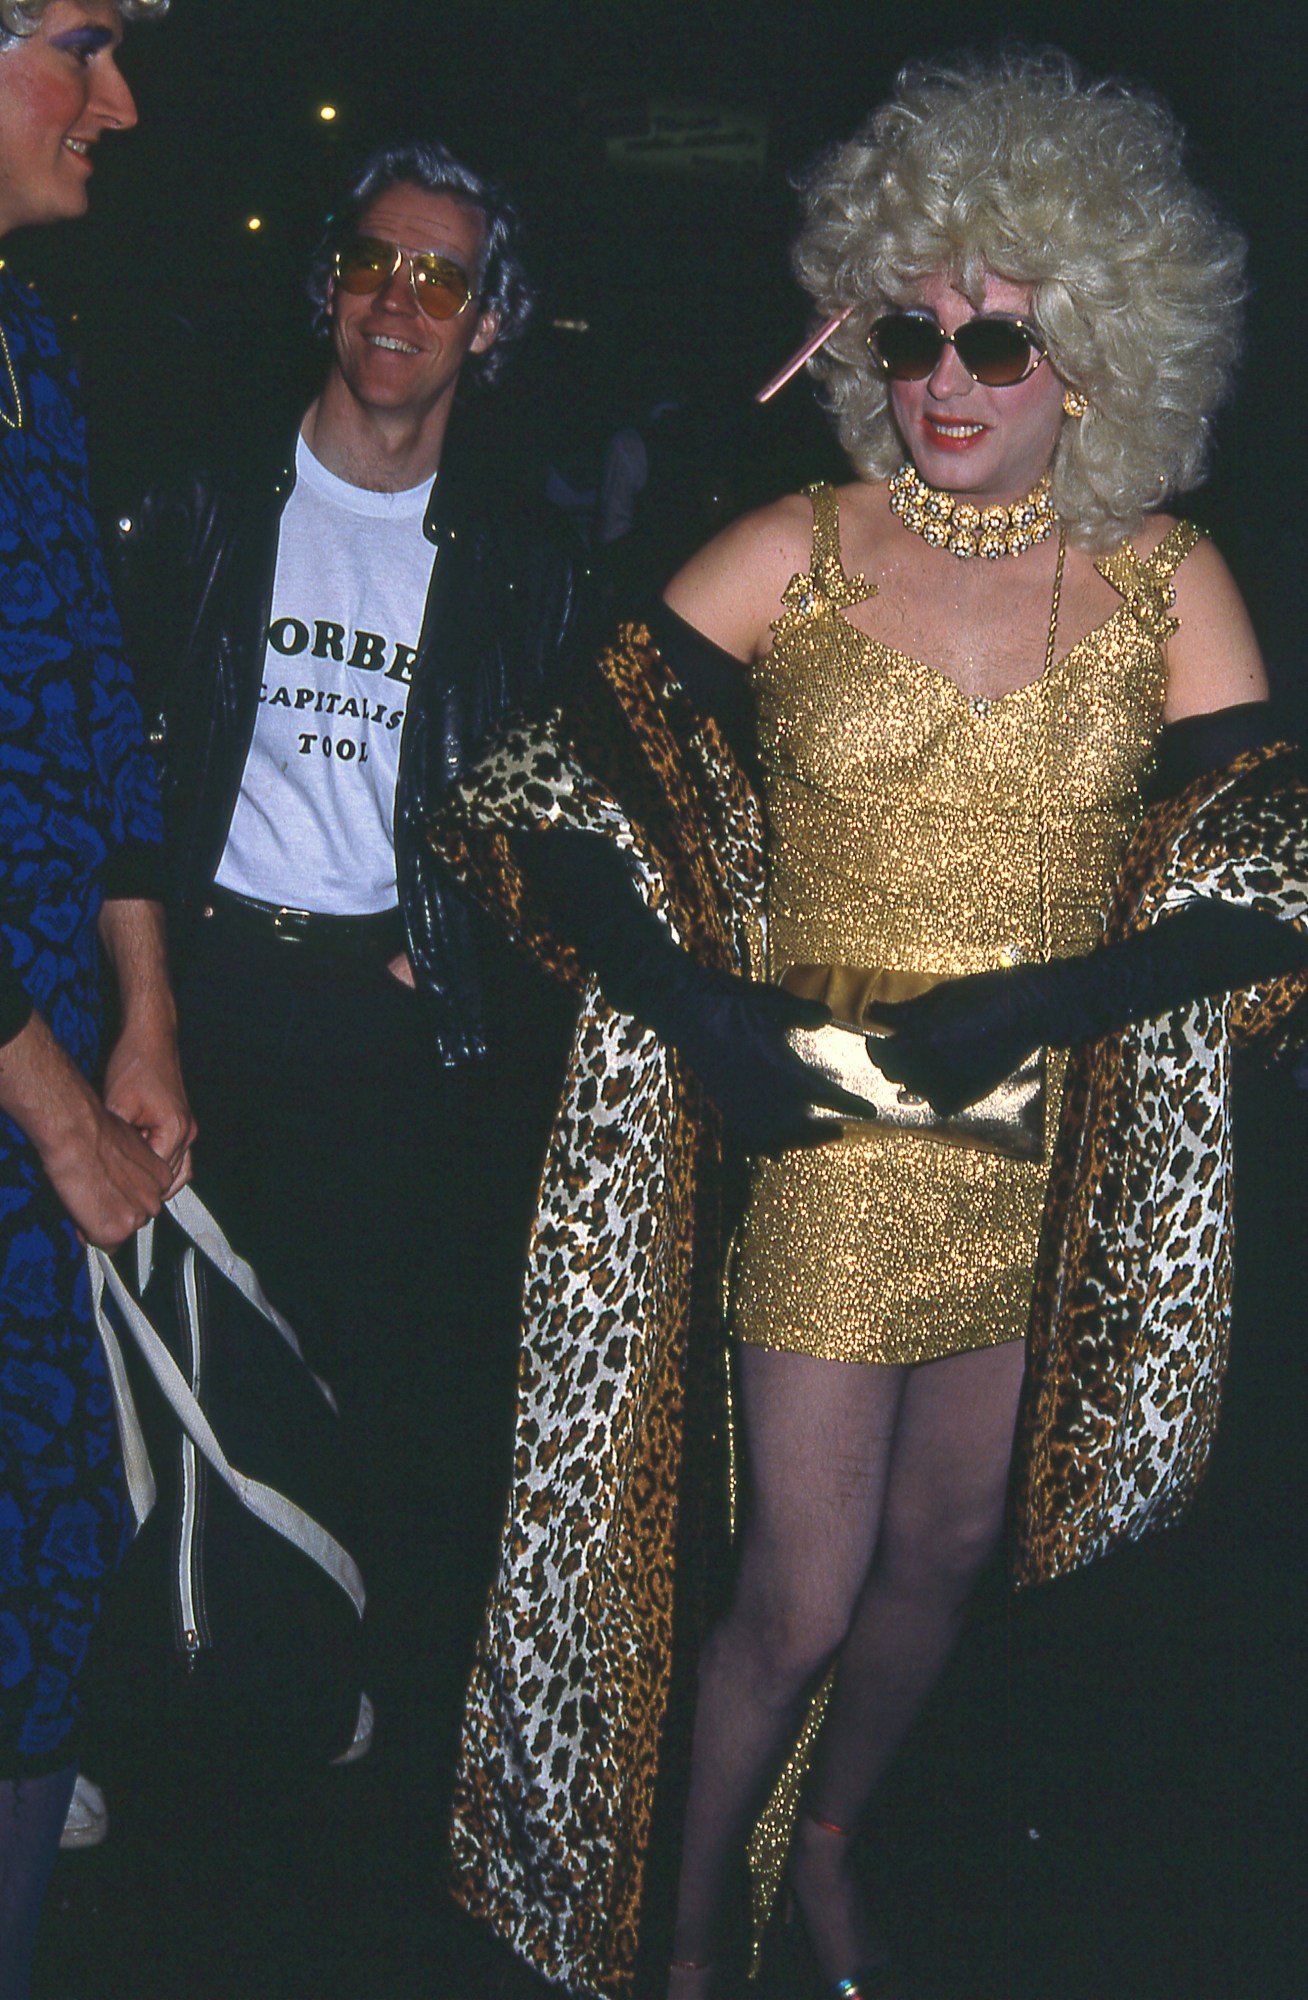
[[907, 347], [440, 286]]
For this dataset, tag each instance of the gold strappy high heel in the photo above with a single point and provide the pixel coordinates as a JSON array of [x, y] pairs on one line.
[[874, 1982]]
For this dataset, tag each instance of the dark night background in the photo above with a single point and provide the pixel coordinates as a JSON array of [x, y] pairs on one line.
[[1151, 1728], [193, 327]]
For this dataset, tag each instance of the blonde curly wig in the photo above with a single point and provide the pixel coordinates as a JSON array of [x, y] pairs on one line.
[[22, 17], [1024, 169]]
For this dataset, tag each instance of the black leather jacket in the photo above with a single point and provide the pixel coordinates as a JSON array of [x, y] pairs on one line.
[[509, 612]]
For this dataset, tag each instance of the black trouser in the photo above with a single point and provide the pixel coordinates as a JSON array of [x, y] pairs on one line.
[[344, 1161]]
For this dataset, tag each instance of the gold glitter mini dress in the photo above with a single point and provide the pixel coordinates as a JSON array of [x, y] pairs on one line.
[[906, 826]]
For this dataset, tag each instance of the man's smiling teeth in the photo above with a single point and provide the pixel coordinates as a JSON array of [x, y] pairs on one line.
[[78, 145], [391, 345]]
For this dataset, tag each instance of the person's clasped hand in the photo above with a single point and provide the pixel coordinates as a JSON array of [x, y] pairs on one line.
[[732, 1032], [730, 1029], [956, 1042]]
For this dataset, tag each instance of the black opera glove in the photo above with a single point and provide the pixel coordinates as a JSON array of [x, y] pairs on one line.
[[729, 1029], [713, 681], [956, 1042]]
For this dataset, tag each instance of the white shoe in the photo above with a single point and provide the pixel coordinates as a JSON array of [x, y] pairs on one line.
[[88, 1816]]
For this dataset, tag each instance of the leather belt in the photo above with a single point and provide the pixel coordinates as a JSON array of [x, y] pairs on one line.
[[377, 936]]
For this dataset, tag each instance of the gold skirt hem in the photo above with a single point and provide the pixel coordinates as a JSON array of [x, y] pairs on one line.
[[895, 1251]]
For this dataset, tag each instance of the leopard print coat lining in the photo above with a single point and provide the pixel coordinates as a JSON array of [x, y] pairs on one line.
[[1131, 1322], [614, 1487]]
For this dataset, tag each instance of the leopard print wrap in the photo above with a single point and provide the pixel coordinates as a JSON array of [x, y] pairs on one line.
[[1131, 1322], [570, 1689]]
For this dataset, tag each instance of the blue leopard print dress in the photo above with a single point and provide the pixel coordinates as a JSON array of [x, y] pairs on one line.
[[79, 817]]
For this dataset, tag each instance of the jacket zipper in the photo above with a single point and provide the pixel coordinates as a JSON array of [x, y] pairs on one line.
[[192, 1625]]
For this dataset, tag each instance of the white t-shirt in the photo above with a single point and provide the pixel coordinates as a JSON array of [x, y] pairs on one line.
[[313, 827]]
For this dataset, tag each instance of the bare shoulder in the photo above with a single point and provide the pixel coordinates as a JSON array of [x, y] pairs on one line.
[[1213, 658], [731, 589]]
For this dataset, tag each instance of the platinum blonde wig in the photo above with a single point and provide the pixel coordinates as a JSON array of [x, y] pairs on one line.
[[1025, 170], [22, 17]]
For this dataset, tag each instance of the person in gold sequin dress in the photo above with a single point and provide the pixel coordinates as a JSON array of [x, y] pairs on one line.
[[1041, 316]]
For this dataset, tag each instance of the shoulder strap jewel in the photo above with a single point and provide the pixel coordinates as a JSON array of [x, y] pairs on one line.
[[825, 587], [1145, 583]]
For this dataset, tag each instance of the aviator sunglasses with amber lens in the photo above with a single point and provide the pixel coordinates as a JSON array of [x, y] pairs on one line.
[[997, 352], [440, 286]]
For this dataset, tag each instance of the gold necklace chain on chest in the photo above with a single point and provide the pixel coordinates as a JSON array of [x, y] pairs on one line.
[[965, 529], [981, 704], [14, 423]]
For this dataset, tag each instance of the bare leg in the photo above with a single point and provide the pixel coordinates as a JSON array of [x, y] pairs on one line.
[[819, 1437], [32, 1812], [941, 1521]]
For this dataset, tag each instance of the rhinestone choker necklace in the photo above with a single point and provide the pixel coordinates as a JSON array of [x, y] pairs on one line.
[[965, 530]]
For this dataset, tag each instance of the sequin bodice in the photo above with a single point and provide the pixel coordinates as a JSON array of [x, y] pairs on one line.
[[909, 826], [908, 818]]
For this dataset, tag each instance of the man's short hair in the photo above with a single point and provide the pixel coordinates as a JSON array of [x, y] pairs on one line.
[[503, 286]]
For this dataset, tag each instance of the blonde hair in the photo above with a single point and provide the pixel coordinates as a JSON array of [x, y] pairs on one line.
[[1025, 170], [22, 17]]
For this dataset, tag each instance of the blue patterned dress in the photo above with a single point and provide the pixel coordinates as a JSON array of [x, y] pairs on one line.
[[78, 820]]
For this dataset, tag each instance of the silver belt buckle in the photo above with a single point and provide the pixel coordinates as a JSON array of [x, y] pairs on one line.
[[291, 925]]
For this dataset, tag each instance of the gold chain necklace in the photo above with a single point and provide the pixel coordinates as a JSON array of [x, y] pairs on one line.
[[1042, 716], [966, 530], [14, 423]]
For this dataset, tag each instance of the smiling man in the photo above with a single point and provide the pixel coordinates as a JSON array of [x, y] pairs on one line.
[[336, 642]]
